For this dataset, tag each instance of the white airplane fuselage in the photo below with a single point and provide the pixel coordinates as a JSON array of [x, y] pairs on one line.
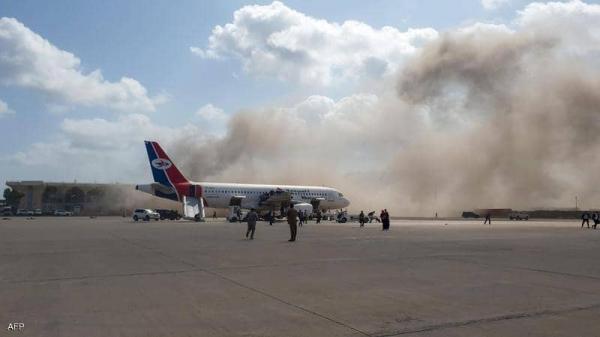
[[219, 195]]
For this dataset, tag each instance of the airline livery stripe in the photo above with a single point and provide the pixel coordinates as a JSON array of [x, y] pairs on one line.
[[166, 175]]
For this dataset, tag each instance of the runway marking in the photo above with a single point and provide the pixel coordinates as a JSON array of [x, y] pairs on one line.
[[492, 319]]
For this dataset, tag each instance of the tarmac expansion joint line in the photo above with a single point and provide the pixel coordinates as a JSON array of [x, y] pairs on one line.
[[239, 284], [454, 259], [507, 317], [99, 277]]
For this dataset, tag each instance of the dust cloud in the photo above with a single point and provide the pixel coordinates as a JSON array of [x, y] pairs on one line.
[[485, 116]]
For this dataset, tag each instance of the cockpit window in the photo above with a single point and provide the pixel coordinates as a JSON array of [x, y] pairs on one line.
[[340, 195]]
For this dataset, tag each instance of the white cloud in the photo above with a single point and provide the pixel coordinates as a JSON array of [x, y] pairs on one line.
[[98, 149], [493, 4], [277, 41], [574, 23], [210, 112], [30, 61], [4, 109]]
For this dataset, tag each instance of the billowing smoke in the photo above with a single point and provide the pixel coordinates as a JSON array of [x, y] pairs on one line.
[[484, 116]]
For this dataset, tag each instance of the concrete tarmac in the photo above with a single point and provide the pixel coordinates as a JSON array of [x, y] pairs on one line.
[[115, 277]]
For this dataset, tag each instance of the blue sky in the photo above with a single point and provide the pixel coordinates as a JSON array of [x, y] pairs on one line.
[[149, 41]]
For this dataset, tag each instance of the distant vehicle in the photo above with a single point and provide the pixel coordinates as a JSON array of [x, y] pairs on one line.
[[24, 212], [470, 215], [168, 214], [62, 212], [518, 216], [145, 214], [6, 211], [37, 211]]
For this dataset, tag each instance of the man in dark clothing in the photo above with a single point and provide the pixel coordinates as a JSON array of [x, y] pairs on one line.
[[271, 217], [318, 216], [251, 218], [385, 220], [300, 218], [585, 219], [292, 216], [488, 219], [596, 218], [361, 219]]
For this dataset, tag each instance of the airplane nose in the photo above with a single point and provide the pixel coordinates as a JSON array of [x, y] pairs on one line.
[[345, 202]]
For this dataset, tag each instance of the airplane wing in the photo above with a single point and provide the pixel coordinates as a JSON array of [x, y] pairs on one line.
[[274, 199]]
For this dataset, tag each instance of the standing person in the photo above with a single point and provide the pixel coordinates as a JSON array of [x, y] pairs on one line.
[[387, 219], [382, 217], [585, 219], [318, 216], [251, 219], [214, 214], [271, 217], [300, 218], [488, 218], [238, 212], [292, 214], [361, 219], [596, 218]]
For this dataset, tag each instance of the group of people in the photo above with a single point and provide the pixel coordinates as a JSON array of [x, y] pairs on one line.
[[585, 219], [293, 216], [384, 218]]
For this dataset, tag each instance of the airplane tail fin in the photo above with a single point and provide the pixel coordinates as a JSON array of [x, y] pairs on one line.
[[164, 170]]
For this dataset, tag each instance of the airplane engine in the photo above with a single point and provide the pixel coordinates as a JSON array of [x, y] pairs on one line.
[[304, 207]]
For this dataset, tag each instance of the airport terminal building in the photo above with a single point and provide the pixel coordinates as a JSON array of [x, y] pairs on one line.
[[85, 198]]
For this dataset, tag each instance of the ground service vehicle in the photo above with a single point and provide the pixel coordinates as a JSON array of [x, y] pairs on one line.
[[342, 217], [168, 214], [518, 216]]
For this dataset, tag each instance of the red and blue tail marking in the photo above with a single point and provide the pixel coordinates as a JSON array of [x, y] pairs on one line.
[[167, 174]]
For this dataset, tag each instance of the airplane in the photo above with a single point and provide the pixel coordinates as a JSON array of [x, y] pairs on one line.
[[170, 183]]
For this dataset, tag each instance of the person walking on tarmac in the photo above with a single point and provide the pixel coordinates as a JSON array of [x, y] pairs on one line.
[[251, 218], [488, 218], [300, 218], [596, 218], [361, 219], [318, 216], [585, 219], [292, 216]]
